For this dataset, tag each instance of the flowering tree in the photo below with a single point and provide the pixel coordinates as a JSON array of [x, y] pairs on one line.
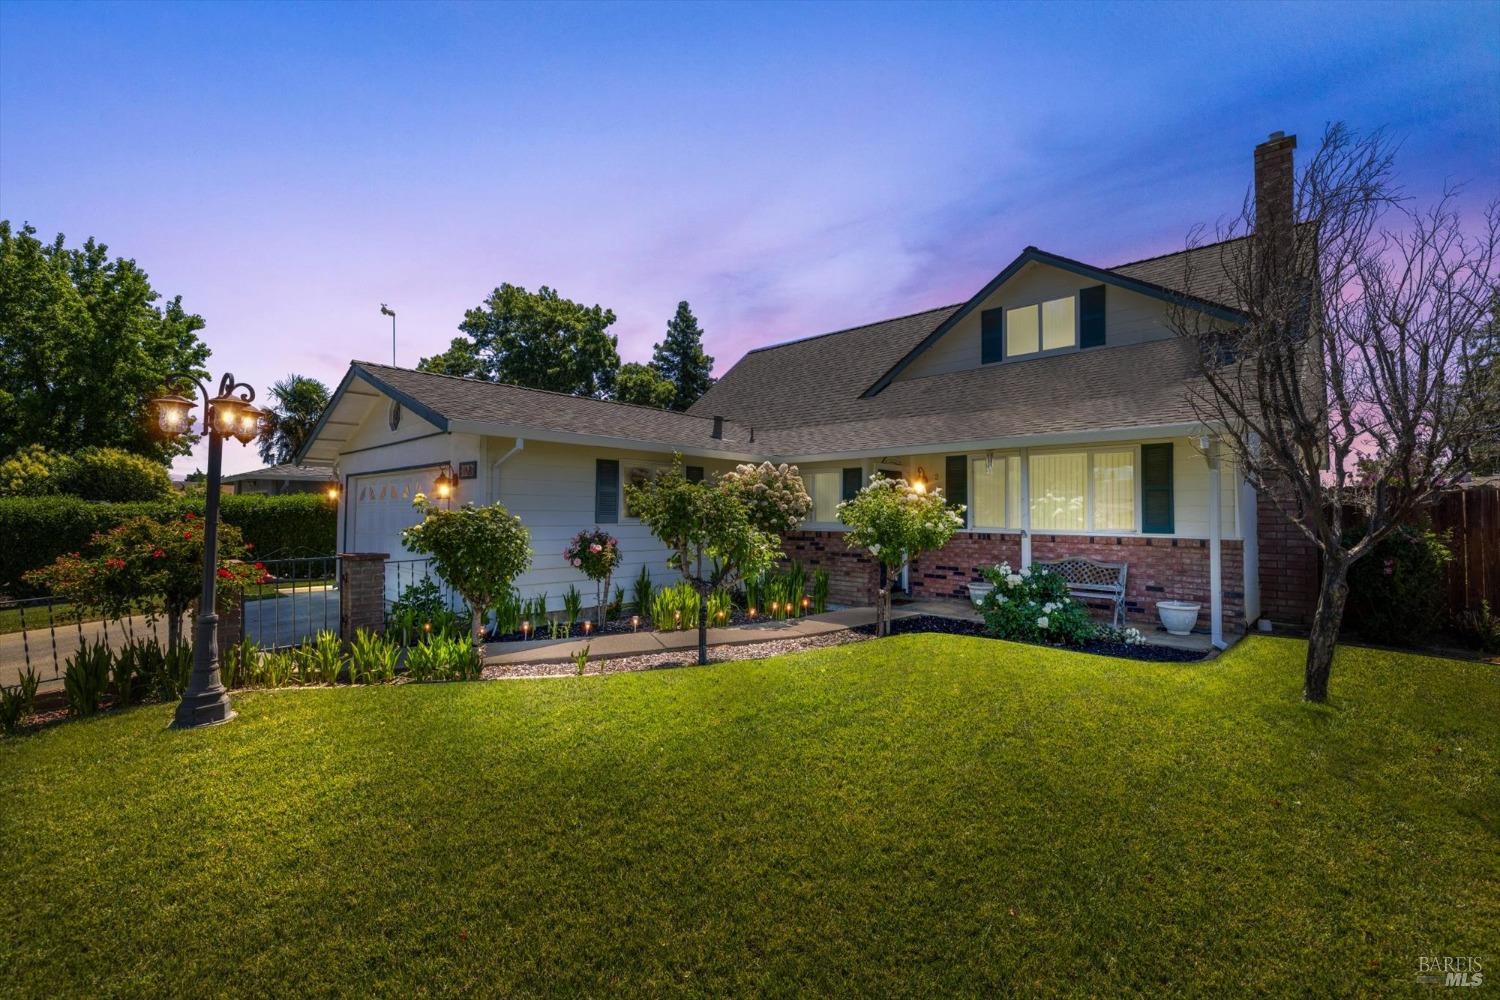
[[895, 523], [151, 567], [596, 553], [708, 530], [479, 550], [775, 499]]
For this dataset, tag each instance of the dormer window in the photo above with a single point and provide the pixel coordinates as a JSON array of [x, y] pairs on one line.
[[1046, 326]]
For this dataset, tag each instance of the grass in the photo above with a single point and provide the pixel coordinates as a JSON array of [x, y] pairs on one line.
[[921, 815]]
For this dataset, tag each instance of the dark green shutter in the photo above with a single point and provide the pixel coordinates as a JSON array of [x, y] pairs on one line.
[[991, 336], [694, 473], [1091, 317], [854, 478], [606, 491], [956, 478], [1156, 488]]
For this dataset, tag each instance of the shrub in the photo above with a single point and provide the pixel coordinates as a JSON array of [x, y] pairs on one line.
[[237, 662], [33, 471], [641, 592], [479, 551], [509, 610], [17, 702], [774, 496], [719, 608], [372, 658], [323, 658], [1398, 593], [820, 591], [86, 678], [441, 658], [36, 530], [675, 608], [1034, 605], [572, 604], [114, 475], [896, 522]]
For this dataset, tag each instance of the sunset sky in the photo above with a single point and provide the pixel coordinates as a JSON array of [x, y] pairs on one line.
[[789, 170]]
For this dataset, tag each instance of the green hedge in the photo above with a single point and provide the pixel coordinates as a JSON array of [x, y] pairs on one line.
[[36, 530]]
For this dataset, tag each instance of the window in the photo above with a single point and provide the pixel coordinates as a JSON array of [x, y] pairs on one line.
[[638, 475], [693, 473], [1083, 491], [1058, 492], [825, 495], [988, 493], [1047, 326], [1114, 490]]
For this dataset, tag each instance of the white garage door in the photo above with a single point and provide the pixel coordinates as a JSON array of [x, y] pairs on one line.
[[382, 507]]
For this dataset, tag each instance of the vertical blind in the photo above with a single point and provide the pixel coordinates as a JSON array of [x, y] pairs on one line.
[[1058, 488]]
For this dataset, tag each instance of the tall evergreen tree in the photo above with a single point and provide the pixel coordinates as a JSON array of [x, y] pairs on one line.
[[681, 360]]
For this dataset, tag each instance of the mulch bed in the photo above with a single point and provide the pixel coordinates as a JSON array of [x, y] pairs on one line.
[[953, 626]]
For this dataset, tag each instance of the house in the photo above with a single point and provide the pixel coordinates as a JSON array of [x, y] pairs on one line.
[[284, 478], [1053, 403]]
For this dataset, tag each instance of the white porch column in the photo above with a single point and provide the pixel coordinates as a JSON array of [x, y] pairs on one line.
[[1025, 507], [1215, 540]]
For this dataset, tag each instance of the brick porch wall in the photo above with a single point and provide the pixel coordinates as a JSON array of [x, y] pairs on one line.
[[948, 572], [1159, 569], [852, 576]]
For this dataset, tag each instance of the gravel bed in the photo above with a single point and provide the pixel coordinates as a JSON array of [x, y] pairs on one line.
[[676, 657]]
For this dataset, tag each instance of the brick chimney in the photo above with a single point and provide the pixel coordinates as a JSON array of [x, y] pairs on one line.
[[1275, 188]]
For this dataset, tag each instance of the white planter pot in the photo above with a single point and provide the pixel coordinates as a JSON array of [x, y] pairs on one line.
[[978, 592], [1178, 617]]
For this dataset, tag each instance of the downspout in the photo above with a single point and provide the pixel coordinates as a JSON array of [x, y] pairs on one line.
[[1215, 544], [1025, 507], [495, 465]]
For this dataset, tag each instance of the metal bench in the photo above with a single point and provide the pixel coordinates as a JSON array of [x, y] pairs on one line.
[[1092, 580]]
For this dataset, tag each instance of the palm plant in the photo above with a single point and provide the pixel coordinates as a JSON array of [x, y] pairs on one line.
[[296, 403]]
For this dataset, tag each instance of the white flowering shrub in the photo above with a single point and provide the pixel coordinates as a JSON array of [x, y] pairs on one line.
[[1033, 605], [774, 496], [895, 522]]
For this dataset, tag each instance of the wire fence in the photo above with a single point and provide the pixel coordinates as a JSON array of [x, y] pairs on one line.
[[41, 634]]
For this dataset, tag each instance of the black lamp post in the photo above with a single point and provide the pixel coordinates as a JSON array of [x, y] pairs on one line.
[[229, 414]]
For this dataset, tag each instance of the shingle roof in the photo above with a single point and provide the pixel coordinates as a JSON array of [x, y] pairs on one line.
[[817, 378], [492, 402], [1139, 385], [286, 470]]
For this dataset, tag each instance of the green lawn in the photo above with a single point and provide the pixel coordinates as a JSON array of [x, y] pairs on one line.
[[922, 815]]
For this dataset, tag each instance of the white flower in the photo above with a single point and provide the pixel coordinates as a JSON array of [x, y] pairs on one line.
[[999, 597], [1133, 637], [875, 549], [1014, 579], [1003, 569], [1025, 570], [1041, 622]]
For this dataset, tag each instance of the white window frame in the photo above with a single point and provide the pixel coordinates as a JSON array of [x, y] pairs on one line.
[[1088, 486], [1006, 357]]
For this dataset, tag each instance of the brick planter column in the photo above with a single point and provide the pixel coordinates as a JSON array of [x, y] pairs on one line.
[[361, 593]]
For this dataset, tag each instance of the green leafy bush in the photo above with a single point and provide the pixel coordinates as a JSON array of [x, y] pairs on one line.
[[36, 530], [441, 658], [1033, 605], [16, 703], [1398, 593], [820, 591], [86, 678], [572, 604], [323, 658], [641, 592], [372, 658], [32, 472]]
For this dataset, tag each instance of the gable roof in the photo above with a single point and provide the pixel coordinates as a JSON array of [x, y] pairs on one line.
[[1129, 281], [450, 403], [776, 386], [286, 470]]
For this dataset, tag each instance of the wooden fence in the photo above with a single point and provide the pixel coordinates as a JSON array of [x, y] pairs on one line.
[[1471, 518]]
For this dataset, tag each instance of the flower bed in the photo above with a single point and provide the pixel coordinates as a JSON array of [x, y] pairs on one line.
[[1103, 647]]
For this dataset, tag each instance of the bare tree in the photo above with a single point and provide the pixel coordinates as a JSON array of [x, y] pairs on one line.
[[1347, 387]]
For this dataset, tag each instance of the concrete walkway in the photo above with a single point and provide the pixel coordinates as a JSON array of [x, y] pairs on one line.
[[607, 647]]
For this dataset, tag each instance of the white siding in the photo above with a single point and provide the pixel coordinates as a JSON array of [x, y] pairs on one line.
[[1129, 318]]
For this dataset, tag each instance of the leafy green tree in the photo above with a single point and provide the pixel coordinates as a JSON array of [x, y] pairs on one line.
[[681, 360], [296, 404], [479, 550], [895, 522], [707, 529], [85, 345], [105, 474], [644, 386], [535, 339]]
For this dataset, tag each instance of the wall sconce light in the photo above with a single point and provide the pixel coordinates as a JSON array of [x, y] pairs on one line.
[[920, 483], [443, 485], [333, 492]]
